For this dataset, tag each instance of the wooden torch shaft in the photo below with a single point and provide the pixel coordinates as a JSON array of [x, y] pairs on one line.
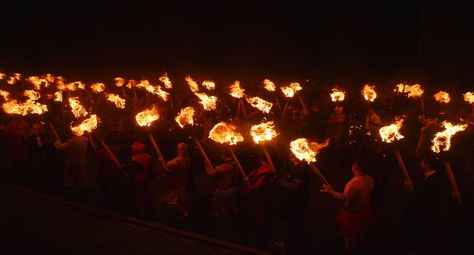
[[320, 175], [452, 180], [269, 158], [203, 153], [157, 149], [54, 131], [402, 166], [239, 166], [111, 154], [94, 147], [303, 105]]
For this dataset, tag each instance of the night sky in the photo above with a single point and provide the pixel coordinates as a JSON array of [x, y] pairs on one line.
[[330, 41]]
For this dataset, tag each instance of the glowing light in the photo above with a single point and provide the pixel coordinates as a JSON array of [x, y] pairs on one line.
[[442, 97], [260, 104], [185, 117], [146, 117], [225, 133], [369, 92], [263, 132], [305, 150], [442, 140]]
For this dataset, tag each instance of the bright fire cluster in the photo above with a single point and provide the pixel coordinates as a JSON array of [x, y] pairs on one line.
[[146, 117], [337, 95], [442, 97], [469, 97], [223, 132], [269, 85], [412, 91], [369, 92], [88, 125], [290, 90], [185, 117], [391, 133], [116, 99], [260, 104], [305, 150], [263, 132], [442, 140], [208, 102], [236, 91]]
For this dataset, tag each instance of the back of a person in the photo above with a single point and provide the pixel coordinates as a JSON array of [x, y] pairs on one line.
[[361, 188], [77, 153], [225, 178]]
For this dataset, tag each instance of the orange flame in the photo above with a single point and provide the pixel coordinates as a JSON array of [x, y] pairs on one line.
[[88, 125], [369, 92], [146, 117], [38, 82], [269, 85], [49, 78], [131, 83], [209, 85], [193, 86], [98, 87], [263, 132], [155, 90], [30, 106], [225, 133], [76, 107], [469, 97], [290, 90], [185, 117], [60, 83], [304, 150], [58, 96], [166, 80], [116, 99], [236, 91], [442, 97], [11, 80], [391, 132], [208, 102], [337, 95], [413, 91], [260, 104], [119, 81], [2, 76], [5, 94], [442, 140]]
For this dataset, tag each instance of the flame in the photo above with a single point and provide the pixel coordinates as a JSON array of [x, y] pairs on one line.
[[58, 96], [290, 90], [60, 83], [208, 102], [2, 76], [193, 86], [30, 106], [260, 104], [38, 82], [209, 85], [116, 99], [469, 97], [337, 95], [17, 76], [74, 85], [369, 92], [413, 91], [269, 85], [131, 83], [185, 116], [119, 81], [76, 107], [98, 87], [442, 97], [5, 94], [391, 133], [155, 90], [225, 133], [88, 125], [146, 117], [263, 132], [303, 150], [11, 80], [236, 91], [166, 80], [442, 140], [49, 78]]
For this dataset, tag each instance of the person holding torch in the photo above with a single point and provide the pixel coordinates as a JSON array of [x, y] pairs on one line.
[[356, 216]]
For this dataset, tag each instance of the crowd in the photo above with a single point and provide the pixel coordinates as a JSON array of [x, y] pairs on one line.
[[368, 209]]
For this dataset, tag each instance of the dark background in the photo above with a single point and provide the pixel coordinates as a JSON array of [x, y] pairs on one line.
[[329, 41]]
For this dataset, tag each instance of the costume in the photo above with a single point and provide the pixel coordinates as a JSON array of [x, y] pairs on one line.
[[178, 171], [76, 160]]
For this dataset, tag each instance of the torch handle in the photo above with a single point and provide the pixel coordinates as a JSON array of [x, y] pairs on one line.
[[269, 158], [94, 147], [452, 180], [305, 111], [111, 154], [157, 149], [402, 166], [242, 107], [203, 153], [38, 138], [239, 166], [422, 104], [54, 131], [320, 175]]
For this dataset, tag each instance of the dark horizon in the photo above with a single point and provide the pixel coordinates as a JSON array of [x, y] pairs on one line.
[[331, 42]]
